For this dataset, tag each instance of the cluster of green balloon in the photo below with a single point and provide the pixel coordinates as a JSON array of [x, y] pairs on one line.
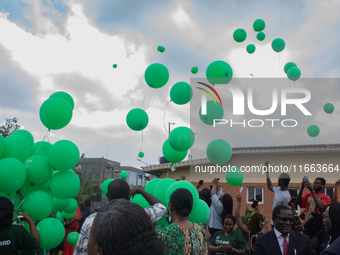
[[239, 35], [123, 175], [51, 232], [293, 73], [194, 70], [219, 72], [141, 154], [214, 112], [72, 238], [150, 186], [313, 130], [181, 93], [137, 119], [181, 139], [156, 75], [105, 185], [185, 185], [114, 65], [38, 205], [201, 213], [161, 49], [234, 176], [171, 154], [251, 48], [278, 45], [328, 108], [219, 152], [161, 188], [56, 112]]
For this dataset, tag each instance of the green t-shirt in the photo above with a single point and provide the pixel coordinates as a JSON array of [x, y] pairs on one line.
[[16, 238], [235, 239]]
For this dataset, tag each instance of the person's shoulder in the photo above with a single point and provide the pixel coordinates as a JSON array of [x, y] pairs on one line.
[[276, 189]]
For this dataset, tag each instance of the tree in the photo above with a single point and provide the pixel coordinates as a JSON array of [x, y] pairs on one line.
[[9, 127]]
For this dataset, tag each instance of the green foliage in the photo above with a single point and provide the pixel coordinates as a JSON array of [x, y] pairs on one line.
[[89, 191], [9, 127], [247, 217]]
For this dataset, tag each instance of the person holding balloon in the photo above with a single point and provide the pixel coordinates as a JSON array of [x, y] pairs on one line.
[[15, 237], [183, 236]]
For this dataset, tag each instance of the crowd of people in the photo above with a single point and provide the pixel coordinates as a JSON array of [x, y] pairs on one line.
[[123, 227]]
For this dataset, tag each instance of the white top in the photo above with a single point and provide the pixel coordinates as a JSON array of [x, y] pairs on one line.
[[280, 239], [280, 197]]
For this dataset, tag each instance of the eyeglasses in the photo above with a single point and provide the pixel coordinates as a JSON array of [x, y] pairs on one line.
[[291, 220]]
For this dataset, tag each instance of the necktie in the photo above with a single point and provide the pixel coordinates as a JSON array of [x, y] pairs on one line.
[[285, 245]]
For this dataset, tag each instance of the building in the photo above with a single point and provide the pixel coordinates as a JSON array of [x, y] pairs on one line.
[[311, 160], [136, 177]]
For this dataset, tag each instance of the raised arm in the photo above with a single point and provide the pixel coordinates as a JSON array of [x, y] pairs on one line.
[[299, 196], [33, 229], [239, 222], [317, 201], [215, 187], [269, 182], [148, 197]]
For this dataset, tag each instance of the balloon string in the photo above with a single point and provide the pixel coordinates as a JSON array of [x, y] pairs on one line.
[[46, 136], [164, 116], [145, 95], [198, 128], [254, 36], [279, 60]]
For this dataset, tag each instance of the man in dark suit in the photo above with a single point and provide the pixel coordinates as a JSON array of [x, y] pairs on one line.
[[282, 240]]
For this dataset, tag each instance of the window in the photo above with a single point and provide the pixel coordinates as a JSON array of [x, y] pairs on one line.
[[254, 193], [329, 192]]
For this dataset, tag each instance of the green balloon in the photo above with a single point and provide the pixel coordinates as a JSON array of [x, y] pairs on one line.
[[137, 119], [59, 217], [288, 66], [150, 186], [2, 145], [240, 35], [163, 222], [219, 72], [181, 93], [141, 154], [261, 36], [114, 65], [251, 48], [16, 147], [214, 112], [55, 113], [140, 200], [41, 148], [328, 108], [68, 215], [278, 44], [156, 75], [13, 175], [38, 205], [161, 189], [105, 185], [201, 213], [65, 96], [313, 130], [123, 175], [72, 238], [259, 25], [219, 152], [65, 185], [181, 138], [29, 187], [185, 185], [293, 73], [14, 198], [51, 232], [25, 134], [194, 70], [60, 204], [38, 169], [72, 206], [172, 155], [234, 176], [64, 155], [160, 48]]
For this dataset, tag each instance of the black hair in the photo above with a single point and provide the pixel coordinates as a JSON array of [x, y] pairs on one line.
[[230, 216], [285, 178], [204, 194], [278, 208], [313, 225], [87, 202], [227, 202], [322, 180], [334, 212], [118, 189], [254, 228], [124, 228], [6, 212], [182, 201]]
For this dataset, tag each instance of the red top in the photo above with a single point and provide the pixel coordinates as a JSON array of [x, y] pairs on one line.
[[75, 224], [309, 204]]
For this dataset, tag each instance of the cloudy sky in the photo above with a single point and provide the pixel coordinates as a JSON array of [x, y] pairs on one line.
[[71, 45]]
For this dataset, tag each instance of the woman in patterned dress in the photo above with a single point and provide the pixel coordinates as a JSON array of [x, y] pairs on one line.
[[183, 236]]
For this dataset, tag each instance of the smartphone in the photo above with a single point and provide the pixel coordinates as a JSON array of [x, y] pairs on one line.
[[297, 219], [292, 200], [20, 217], [254, 204], [305, 178], [200, 182], [218, 179], [241, 189]]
